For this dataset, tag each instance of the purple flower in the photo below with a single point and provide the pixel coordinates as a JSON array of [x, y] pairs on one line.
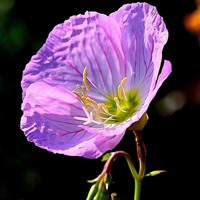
[[93, 78]]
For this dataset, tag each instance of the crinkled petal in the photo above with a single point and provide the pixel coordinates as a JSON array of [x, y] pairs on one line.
[[92, 40], [146, 35]]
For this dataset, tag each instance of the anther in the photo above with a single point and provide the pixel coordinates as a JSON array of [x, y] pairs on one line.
[[120, 88], [81, 89], [85, 79], [77, 94], [103, 106], [91, 101], [85, 102]]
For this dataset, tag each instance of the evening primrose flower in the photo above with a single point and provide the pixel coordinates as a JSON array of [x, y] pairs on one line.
[[94, 77]]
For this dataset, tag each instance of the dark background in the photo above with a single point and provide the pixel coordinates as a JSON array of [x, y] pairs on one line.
[[171, 134]]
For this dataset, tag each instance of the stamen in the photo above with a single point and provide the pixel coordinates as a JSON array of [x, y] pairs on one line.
[[87, 120], [85, 102], [109, 118], [81, 98], [87, 114], [124, 95], [120, 88], [77, 94], [90, 100], [96, 113], [81, 89], [103, 106], [117, 103], [85, 79]]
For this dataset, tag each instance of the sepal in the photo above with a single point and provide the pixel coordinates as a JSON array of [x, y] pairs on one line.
[[139, 125], [92, 192], [99, 191]]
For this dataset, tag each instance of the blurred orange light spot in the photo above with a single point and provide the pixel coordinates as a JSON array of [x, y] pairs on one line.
[[192, 21]]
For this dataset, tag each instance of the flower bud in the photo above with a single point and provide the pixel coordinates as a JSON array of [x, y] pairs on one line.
[[99, 191], [92, 192], [103, 193]]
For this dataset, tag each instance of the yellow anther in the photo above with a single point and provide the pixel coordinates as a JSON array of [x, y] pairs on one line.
[[81, 89], [85, 79], [86, 103], [77, 94], [91, 101], [103, 106], [96, 113], [117, 103], [120, 88], [81, 98]]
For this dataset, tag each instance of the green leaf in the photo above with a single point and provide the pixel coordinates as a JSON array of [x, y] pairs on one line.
[[106, 157], [154, 173]]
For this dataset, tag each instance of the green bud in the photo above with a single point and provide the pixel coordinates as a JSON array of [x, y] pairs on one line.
[[107, 180], [92, 192], [103, 193]]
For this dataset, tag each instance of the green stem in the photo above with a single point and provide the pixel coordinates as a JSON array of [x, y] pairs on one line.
[[108, 164], [141, 153], [137, 188]]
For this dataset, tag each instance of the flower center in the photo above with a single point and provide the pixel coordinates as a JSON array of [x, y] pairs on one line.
[[116, 109]]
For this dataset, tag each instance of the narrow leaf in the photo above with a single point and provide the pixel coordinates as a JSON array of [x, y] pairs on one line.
[[154, 173]]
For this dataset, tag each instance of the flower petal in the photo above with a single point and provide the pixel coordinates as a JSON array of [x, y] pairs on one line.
[[92, 40], [128, 43], [146, 35], [95, 147], [166, 70], [48, 122], [48, 117]]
